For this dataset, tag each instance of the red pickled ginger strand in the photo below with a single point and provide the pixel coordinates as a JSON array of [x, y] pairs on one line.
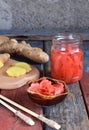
[[46, 87], [67, 66]]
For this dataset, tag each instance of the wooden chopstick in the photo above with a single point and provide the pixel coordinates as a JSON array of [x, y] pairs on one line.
[[49, 122], [25, 118]]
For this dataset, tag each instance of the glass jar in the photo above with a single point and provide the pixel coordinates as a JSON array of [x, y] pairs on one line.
[[67, 57]]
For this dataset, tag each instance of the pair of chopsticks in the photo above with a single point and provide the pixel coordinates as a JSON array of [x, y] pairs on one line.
[[27, 119]]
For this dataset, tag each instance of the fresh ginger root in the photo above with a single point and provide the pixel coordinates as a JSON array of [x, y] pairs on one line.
[[24, 65], [15, 71], [33, 53], [3, 59], [3, 39]]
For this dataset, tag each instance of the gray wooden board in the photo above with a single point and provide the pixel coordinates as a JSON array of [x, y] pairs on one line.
[[43, 34], [71, 113], [86, 55]]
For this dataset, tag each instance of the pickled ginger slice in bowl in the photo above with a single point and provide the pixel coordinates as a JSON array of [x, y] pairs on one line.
[[47, 91]]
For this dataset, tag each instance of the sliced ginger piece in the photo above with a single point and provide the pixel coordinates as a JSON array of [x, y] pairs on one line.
[[15, 71], [24, 65], [1, 64]]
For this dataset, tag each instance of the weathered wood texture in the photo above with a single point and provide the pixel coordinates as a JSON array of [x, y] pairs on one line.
[[84, 83], [45, 37], [71, 113], [8, 120]]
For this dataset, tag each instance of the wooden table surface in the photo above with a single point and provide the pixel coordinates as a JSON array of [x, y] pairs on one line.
[[71, 114]]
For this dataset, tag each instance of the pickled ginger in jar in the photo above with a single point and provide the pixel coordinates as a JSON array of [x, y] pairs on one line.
[[67, 57]]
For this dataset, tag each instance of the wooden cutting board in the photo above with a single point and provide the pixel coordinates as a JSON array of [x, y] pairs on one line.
[[7, 82], [8, 121]]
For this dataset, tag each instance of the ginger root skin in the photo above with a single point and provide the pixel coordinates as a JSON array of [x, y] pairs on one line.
[[33, 53], [4, 57], [3, 39]]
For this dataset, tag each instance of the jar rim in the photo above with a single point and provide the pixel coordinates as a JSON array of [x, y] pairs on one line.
[[67, 36]]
